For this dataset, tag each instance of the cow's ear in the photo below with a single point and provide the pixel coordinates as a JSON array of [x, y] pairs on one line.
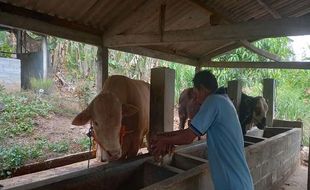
[[82, 118], [129, 110]]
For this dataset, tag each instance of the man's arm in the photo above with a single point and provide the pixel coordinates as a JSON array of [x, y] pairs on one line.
[[180, 137], [164, 143]]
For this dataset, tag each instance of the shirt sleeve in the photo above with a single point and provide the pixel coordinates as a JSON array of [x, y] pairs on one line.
[[205, 117]]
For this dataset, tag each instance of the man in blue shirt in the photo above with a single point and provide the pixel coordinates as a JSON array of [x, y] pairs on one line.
[[217, 118]]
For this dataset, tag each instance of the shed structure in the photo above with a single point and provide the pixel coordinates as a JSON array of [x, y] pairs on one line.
[[191, 32]]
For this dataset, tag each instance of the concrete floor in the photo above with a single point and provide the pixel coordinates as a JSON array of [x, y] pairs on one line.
[[298, 180]]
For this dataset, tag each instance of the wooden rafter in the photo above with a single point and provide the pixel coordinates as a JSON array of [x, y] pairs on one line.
[[159, 54], [259, 51], [270, 65], [271, 11], [123, 22], [218, 51], [41, 23], [245, 43], [246, 30]]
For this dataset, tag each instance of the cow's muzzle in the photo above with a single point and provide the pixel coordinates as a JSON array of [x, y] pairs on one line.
[[262, 124]]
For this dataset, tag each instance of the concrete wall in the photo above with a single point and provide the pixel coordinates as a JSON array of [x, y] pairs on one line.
[[273, 160], [10, 73], [32, 67]]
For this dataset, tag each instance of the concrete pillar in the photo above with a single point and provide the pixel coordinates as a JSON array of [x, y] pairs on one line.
[[162, 100], [102, 66], [234, 91], [44, 57], [269, 95]]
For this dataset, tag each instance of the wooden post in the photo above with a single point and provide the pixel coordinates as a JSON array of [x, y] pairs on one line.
[[102, 66], [234, 91], [269, 95], [102, 75], [197, 68], [162, 100]]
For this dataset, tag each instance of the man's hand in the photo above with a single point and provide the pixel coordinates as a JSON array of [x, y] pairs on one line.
[[159, 147]]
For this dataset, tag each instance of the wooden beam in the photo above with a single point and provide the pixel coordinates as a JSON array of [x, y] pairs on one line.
[[270, 65], [271, 11], [160, 55], [259, 51], [53, 163], [269, 93], [216, 19], [218, 51], [247, 30], [30, 20], [102, 67], [284, 123], [121, 24]]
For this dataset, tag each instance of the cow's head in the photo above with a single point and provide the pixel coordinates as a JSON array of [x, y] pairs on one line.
[[260, 112], [106, 112]]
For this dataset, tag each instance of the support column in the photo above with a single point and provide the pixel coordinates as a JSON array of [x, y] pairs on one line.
[[269, 95], [45, 57], [197, 69], [234, 91], [162, 100], [102, 67]]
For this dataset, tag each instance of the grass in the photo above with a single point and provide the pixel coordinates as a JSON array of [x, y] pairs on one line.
[[20, 111], [37, 84], [84, 143], [19, 119], [59, 147], [17, 156]]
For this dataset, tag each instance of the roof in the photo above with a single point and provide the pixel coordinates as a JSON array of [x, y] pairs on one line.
[[185, 31]]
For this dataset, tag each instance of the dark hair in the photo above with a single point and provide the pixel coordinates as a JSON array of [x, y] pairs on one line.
[[206, 79]]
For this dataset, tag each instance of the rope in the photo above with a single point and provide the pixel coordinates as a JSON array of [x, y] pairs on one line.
[[90, 134]]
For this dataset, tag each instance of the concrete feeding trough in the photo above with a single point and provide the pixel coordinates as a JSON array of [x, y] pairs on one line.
[[271, 159]]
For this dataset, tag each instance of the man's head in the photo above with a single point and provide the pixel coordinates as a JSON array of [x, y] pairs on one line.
[[205, 84]]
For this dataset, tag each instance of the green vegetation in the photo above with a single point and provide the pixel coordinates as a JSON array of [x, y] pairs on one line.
[[84, 143], [6, 47], [18, 155], [20, 111], [60, 147], [37, 84]]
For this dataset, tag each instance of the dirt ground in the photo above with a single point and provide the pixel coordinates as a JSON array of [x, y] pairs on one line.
[[55, 129], [298, 180]]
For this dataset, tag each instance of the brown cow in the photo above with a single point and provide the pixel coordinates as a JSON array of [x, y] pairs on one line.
[[120, 117], [252, 110], [186, 105]]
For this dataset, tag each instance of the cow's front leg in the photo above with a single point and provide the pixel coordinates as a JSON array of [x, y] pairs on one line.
[[134, 148], [101, 155]]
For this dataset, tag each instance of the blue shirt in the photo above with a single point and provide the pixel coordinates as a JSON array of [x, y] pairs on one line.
[[218, 118]]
